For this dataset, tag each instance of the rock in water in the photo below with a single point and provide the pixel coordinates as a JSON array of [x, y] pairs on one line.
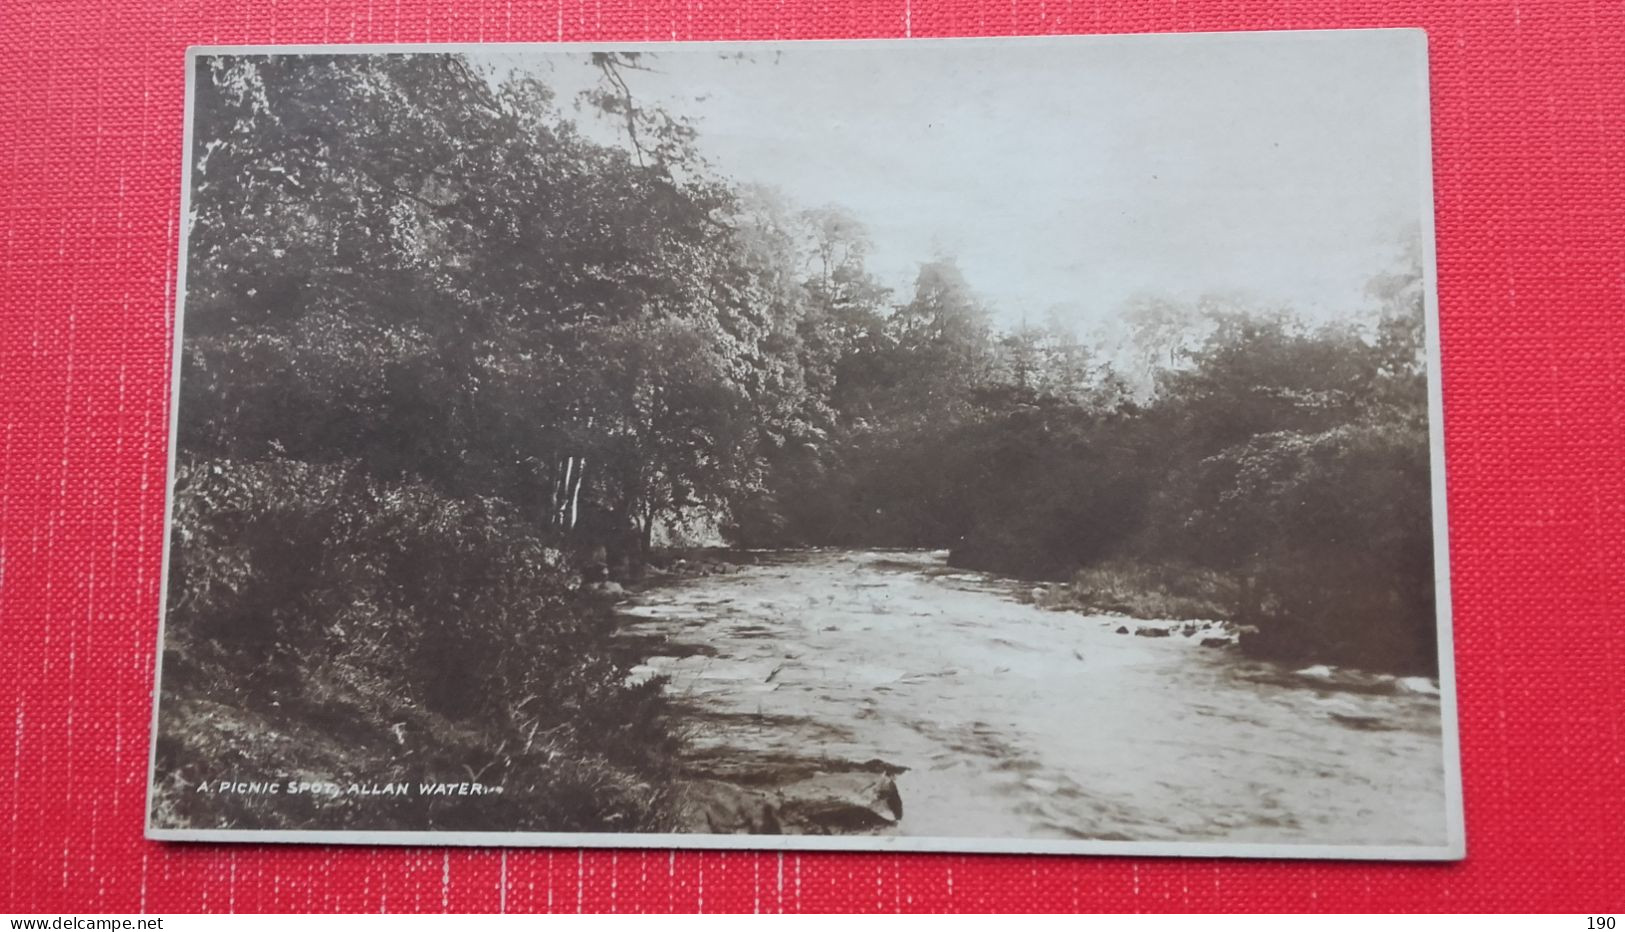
[[1416, 686], [1362, 722], [716, 807], [1149, 632], [838, 803], [822, 804]]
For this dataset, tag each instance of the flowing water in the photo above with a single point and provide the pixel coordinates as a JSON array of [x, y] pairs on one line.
[[1015, 721]]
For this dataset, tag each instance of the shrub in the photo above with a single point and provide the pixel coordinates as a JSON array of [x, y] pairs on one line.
[[423, 634]]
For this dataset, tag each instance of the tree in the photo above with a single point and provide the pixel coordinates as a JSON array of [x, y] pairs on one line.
[[1330, 537], [679, 439]]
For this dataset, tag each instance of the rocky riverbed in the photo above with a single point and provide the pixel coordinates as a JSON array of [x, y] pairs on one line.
[[883, 692]]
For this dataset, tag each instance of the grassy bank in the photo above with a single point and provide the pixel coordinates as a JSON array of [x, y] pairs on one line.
[[1381, 642], [329, 629], [1141, 591]]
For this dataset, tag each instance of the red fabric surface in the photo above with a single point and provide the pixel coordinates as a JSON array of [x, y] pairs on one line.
[[1529, 125]]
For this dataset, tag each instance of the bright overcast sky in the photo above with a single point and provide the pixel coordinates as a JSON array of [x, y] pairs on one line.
[[1079, 173]]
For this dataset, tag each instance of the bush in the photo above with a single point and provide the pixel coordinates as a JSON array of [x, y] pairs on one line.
[[1144, 590], [1330, 538], [327, 623]]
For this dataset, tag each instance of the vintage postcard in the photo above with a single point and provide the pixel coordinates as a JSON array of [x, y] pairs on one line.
[[997, 445]]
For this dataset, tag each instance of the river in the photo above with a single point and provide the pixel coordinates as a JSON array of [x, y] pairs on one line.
[[1015, 721]]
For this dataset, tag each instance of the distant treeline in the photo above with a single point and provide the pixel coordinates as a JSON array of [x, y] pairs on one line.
[[1287, 461], [440, 342]]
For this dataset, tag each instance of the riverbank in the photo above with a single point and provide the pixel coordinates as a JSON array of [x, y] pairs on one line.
[[240, 730], [1140, 591], [1206, 603]]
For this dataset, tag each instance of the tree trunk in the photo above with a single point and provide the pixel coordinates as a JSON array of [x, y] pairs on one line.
[[562, 500], [1247, 612], [558, 494], [647, 531], [575, 495]]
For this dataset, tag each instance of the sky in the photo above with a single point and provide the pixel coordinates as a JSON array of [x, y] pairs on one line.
[[1072, 176]]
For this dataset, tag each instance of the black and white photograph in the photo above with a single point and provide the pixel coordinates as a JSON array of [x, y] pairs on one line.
[[979, 445]]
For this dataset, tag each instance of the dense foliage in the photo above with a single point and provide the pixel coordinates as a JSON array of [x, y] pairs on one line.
[[443, 347]]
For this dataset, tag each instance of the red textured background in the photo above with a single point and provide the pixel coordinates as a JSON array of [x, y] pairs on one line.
[[1529, 126]]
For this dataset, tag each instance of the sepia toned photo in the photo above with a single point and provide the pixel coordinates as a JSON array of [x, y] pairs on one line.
[[1019, 445]]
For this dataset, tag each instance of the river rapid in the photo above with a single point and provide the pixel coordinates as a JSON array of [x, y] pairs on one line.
[[1014, 721]]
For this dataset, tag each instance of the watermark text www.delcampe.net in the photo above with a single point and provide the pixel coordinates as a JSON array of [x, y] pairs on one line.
[[81, 924]]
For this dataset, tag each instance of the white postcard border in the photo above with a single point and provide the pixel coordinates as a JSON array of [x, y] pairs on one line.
[[1454, 847]]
